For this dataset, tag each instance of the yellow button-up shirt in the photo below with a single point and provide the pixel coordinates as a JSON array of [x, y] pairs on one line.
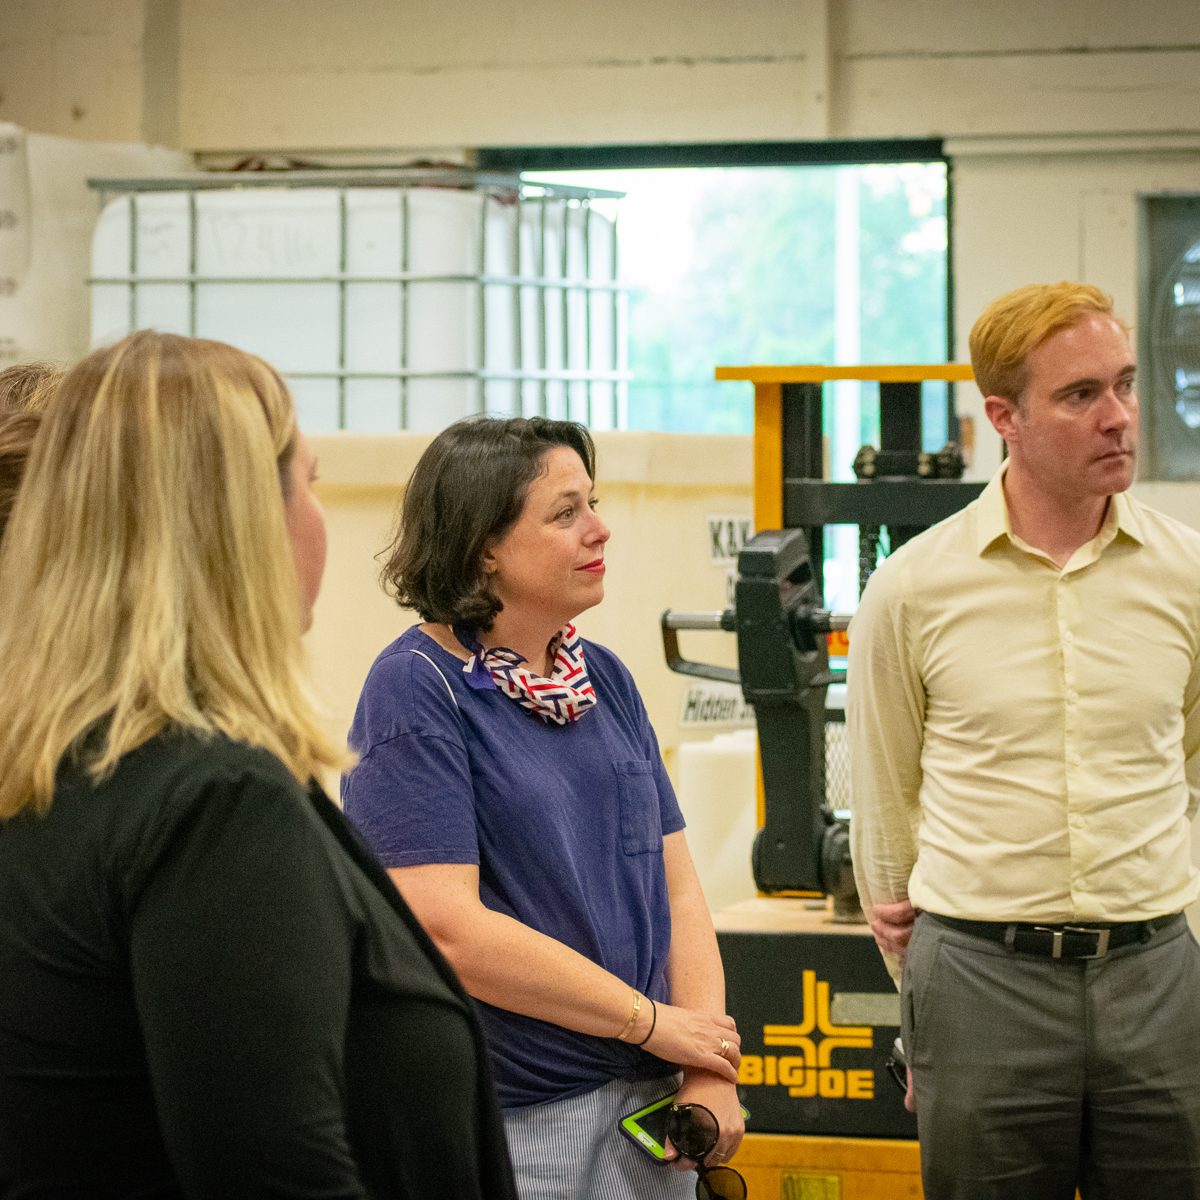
[[1025, 738]]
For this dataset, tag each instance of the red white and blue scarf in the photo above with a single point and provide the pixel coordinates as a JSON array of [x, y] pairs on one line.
[[563, 697]]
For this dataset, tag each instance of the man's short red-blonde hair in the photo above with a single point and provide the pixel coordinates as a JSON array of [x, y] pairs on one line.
[[1011, 327]]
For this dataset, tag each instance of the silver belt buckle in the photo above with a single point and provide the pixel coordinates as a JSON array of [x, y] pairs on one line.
[[1101, 940]]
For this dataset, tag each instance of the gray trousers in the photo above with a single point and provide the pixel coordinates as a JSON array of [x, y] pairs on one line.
[[1035, 1077]]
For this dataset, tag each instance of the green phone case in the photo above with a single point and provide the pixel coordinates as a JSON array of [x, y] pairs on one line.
[[647, 1128]]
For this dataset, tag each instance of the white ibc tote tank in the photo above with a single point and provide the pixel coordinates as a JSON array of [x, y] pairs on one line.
[[389, 300]]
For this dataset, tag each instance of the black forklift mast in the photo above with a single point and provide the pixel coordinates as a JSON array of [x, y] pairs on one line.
[[781, 622], [783, 663]]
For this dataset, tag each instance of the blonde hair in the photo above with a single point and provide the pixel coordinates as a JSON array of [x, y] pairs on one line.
[[146, 579], [27, 387], [1013, 326], [17, 431]]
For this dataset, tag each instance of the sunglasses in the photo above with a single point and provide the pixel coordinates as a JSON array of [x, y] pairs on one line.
[[694, 1131]]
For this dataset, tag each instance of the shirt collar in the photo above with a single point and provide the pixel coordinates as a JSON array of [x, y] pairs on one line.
[[992, 525], [1124, 514], [991, 512]]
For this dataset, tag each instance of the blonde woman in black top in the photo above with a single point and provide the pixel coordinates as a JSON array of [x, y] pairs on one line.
[[207, 987]]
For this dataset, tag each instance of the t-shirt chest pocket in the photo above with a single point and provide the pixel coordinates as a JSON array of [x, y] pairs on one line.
[[641, 826]]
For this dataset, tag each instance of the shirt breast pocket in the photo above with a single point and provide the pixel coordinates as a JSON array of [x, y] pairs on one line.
[[641, 827]]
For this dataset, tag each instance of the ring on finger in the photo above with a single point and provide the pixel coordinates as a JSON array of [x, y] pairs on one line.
[[724, 1047]]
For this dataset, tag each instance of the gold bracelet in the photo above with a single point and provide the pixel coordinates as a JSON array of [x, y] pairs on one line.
[[633, 1016]]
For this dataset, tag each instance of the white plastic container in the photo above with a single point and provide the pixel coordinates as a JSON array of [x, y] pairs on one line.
[[719, 803], [345, 291], [718, 795]]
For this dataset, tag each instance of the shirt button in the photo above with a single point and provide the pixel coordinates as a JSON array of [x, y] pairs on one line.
[[1072, 697], [1074, 759], [1077, 822], [1068, 636]]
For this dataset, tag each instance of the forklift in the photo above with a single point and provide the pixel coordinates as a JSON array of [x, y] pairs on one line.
[[817, 1011]]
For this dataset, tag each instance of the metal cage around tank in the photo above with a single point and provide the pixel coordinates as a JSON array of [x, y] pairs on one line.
[[563, 352]]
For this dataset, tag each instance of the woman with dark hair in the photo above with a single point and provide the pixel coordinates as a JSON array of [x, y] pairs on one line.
[[510, 781]]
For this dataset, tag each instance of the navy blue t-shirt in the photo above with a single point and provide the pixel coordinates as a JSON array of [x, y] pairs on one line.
[[566, 824]]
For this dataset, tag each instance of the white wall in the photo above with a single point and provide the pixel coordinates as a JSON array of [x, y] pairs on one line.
[[101, 70], [307, 75], [283, 73], [289, 73], [950, 68], [48, 218]]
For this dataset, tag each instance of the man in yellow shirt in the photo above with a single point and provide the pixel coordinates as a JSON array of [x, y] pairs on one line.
[[1024, 722]]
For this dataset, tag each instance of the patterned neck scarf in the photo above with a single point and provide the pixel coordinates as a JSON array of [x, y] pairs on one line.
[[564, 697]]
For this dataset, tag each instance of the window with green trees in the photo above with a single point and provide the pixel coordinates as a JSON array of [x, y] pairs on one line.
[[801, 264]]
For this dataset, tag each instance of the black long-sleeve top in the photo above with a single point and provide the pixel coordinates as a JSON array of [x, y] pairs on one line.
[[209, 989]]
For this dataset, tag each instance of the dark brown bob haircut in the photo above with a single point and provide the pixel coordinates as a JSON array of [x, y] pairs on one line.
[[467, 491]]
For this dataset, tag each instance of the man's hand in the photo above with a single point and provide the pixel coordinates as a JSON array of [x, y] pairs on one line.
[[892, 925]]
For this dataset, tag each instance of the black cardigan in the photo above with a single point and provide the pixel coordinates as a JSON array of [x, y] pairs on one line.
[[210, 988]]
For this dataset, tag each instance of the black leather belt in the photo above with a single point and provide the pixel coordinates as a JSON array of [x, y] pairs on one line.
[[1092, 940]]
